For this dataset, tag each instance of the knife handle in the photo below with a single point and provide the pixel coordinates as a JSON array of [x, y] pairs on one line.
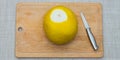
[[92, 39]]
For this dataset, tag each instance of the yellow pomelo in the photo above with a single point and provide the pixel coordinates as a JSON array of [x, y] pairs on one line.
[[60, 25]]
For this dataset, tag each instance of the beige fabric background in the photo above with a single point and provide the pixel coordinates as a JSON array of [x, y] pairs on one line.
[[111, 29]]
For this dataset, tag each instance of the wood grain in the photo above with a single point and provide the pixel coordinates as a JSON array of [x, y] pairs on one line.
[[32, 42]]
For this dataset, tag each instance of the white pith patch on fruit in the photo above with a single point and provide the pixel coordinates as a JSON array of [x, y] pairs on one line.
[[58, 15]]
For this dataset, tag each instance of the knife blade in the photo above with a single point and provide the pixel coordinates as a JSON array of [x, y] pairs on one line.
[[89, 32]]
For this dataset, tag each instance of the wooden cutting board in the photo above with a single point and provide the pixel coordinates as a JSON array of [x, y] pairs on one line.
[[32, 42]]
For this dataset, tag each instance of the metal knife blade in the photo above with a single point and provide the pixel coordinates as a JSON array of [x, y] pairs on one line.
[[84, 20]]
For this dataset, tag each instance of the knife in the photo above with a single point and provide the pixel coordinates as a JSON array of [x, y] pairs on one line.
[[88, 30]]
